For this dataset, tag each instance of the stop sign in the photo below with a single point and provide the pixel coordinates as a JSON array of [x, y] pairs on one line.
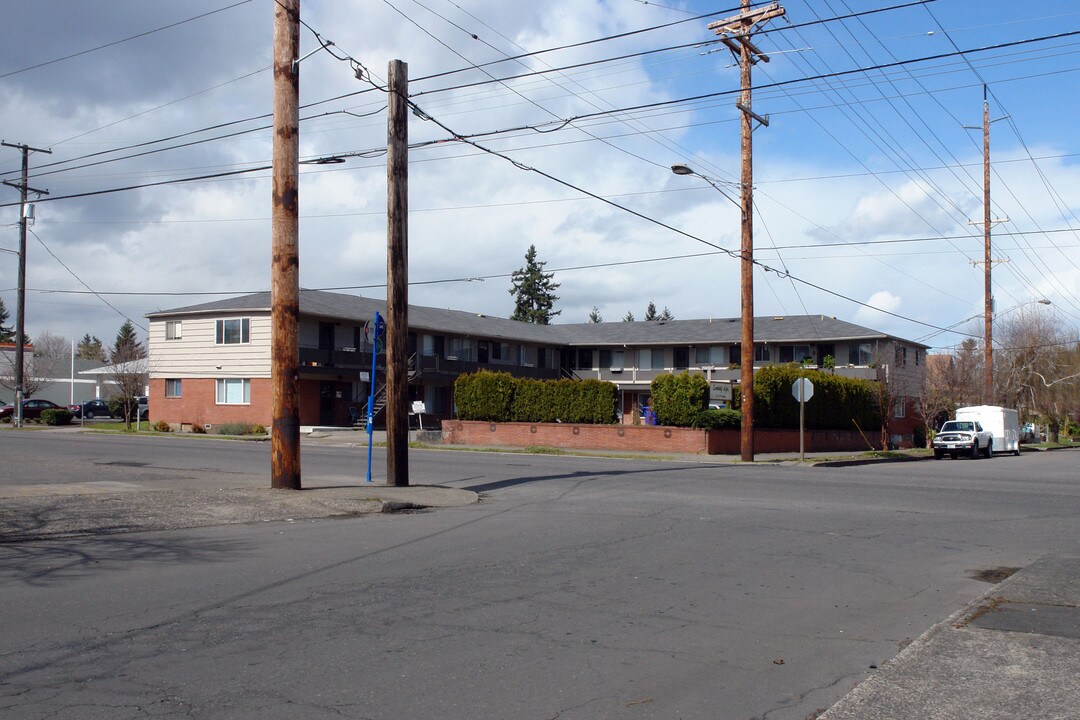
[[802, 389]]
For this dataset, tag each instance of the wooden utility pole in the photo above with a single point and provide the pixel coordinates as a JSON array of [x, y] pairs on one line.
[[988, 290], [397, 275], [987, 261], [20, 309], [736, 32], [285, 262]]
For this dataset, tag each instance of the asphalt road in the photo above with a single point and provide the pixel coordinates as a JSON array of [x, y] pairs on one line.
[[578, 588]]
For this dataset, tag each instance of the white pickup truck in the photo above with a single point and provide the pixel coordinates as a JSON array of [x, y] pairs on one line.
[[963, 436]]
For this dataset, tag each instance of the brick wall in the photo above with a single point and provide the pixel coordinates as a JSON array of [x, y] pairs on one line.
[[576, 437], [197, 404], [645, 438]]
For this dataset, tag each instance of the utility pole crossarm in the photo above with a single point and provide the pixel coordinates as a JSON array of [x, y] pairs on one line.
[[736, 30]]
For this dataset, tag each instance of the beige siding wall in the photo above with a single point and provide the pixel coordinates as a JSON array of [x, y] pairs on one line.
[[196, 355]]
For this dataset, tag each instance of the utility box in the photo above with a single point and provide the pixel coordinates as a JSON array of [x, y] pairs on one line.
[[1002, 422]]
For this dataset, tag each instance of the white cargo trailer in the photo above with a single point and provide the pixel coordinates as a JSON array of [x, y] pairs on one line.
[[1002, 422]]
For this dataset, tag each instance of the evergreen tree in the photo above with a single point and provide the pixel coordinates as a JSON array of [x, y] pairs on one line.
[[628, 317], [7, 334], [650, 312], [595, 316], [127, 346], [533, 291], [666, 315], [90, 348]]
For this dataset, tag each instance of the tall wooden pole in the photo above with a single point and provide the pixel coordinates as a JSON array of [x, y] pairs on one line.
[[736, 34], [746, 367], [988, 292], [285, 263], [397, 276], [20, 303]]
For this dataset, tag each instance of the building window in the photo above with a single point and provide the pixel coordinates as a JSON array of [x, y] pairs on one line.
[[172, 387], [644, 358], [794, 353], [736, 355], [899, 410], [916, 356], [174, 329], [901, 356], [611, 359], [233, 331], [860, 354], [541, 357], [681, 358], [762, 354], [233, 391], [584, 359]]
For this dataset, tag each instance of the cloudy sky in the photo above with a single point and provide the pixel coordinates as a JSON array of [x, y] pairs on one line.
[[866, 178]]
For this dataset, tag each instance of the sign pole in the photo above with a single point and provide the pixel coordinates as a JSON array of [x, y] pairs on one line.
[[802, 424], [802, 390], [376, 332]]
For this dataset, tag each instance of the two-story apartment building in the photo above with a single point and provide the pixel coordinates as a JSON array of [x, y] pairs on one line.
[[210, 363]]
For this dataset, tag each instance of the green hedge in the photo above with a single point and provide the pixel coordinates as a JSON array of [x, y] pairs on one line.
[[499, 397], [679, 399], [715, 418], [838, 403], [56, 417]]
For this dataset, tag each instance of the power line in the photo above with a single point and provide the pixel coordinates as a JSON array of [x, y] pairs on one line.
[[83, 283], [124, 40]]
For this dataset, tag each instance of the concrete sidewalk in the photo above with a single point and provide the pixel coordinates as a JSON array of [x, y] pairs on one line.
[[1013, 653]]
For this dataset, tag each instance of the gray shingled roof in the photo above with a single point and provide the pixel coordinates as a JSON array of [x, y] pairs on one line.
[[338, 306]]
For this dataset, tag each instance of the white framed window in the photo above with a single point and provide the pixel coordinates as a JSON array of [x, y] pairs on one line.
[[174, 329], [172, 387], [233, 391], [899, 409], [232, 331]]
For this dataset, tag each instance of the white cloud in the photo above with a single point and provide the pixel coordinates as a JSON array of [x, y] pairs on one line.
[[474, 214]]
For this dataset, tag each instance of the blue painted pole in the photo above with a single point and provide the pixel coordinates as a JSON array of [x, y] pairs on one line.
[[371, 393]]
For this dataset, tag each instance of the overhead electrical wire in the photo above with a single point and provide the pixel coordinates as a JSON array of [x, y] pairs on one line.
[[123, 40], [635, 108], [83, 282]]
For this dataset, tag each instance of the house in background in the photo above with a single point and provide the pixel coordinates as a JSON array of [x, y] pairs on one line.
[[54, 379], [210, 363]]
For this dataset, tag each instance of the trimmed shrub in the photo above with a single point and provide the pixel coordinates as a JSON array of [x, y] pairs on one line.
[[715, 418], [679, 399], [56, 417], [529, 402], [838, 403], [499, 397], [239, 428], [162, 426], [484, 395]]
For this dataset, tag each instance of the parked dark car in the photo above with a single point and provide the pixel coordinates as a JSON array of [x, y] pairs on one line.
[[31, 409], [95, 408]]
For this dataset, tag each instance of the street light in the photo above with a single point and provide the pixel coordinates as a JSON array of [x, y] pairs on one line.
[[746, 277]]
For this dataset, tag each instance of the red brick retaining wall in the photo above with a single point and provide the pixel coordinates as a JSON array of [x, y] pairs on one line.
[[645, 438]]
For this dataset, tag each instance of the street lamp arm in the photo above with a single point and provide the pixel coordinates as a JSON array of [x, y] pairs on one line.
[[682, 169]]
